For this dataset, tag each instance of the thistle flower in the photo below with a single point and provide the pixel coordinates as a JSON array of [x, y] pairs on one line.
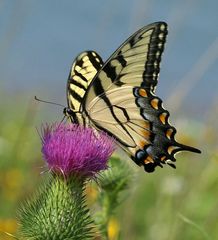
[[58, 210], [75, 150]]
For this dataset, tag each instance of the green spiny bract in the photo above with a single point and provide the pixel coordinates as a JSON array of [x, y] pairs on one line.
[[58, 211]]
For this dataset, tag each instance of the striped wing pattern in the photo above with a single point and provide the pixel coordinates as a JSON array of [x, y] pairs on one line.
[[119, 97], [124, 104], [135, 63], [83, 70]]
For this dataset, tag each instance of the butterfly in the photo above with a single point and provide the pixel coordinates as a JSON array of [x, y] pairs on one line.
[[118, 97]]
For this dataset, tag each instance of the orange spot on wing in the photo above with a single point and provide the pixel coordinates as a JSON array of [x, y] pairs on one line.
[[143, 143], [149, 159], [144, 129], [154, 103], [145, 124], [170, 149], [146, 134], [143, 132], [169, 133], [163, 158], [142, 92], [163, 117]]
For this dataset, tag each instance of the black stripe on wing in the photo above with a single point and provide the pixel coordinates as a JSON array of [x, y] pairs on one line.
[[135, 63], [83, 70], [98, 89]]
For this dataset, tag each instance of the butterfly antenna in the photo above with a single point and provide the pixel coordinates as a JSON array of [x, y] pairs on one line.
[[40, 100], [63, 119]]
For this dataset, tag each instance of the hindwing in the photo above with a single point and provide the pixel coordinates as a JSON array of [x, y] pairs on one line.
[[138, 121]]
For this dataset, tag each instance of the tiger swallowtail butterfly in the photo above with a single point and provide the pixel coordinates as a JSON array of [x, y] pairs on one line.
[[118, 97]]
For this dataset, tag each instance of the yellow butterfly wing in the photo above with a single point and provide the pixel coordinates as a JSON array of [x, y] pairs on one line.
[[83, 70], [120, 100]]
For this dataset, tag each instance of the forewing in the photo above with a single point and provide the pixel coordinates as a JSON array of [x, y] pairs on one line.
[[135, 63], [82, 72]]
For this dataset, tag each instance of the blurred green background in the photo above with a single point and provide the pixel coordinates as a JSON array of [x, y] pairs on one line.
[[38, 41]]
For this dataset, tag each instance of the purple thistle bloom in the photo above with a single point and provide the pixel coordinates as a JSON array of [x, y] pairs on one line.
[[74, 149]]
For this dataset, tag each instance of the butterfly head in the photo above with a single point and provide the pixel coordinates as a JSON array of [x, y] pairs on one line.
[[75, 116], [68, 112]]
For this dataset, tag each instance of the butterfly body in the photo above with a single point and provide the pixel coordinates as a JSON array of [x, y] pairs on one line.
[[118, 97]]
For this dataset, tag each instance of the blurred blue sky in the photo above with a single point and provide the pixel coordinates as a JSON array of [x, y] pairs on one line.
[[39, 39]]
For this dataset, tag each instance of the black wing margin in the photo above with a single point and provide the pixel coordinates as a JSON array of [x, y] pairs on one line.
[[163, 145]]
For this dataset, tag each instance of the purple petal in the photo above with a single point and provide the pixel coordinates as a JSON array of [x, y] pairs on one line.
[[74, 149]]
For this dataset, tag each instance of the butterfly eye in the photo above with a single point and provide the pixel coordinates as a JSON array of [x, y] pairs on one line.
[[65, 111]]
